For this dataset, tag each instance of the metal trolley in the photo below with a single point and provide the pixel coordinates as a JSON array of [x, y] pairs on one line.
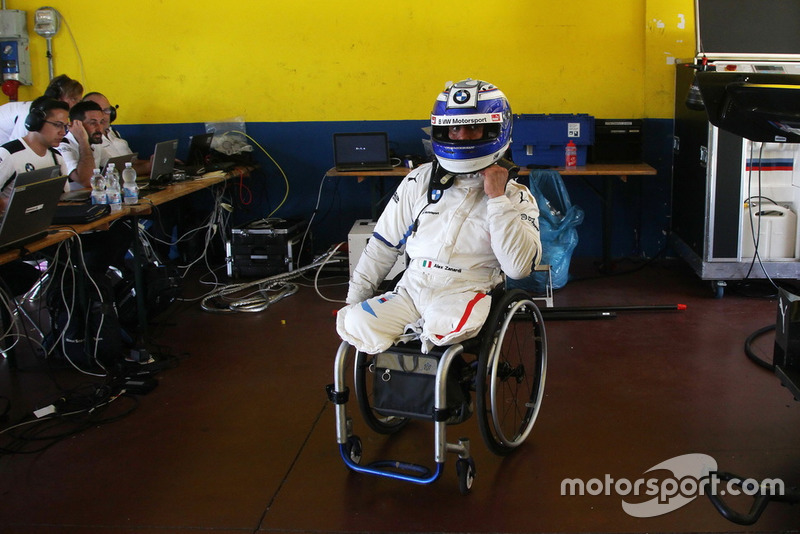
[[505, 366]]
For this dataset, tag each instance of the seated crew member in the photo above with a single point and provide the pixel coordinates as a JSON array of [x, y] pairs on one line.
[[34, 151], [48, 122], [81, 147], [462, 224], [12, 114], [82, 154], [113, 144]]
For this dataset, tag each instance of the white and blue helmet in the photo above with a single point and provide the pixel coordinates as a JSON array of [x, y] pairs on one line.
[[470, 102]]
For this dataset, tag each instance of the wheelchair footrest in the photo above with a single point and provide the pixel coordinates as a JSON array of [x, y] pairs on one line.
[[401, 467], [395, 469]]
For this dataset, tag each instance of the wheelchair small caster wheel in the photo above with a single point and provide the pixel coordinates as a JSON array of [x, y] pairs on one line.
[[353, 449], [465, 468]]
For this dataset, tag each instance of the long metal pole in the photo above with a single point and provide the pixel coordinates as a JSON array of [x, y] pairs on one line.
[[50, 69]]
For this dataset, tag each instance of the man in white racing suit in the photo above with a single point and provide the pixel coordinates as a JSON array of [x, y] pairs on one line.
[[462, 224]]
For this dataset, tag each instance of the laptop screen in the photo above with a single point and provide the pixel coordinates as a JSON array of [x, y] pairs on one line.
[[354, 151], [31, 206], [199, 148], [120, 161], [163, 161]]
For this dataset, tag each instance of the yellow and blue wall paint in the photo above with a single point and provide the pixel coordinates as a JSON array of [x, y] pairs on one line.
[[297, 71]]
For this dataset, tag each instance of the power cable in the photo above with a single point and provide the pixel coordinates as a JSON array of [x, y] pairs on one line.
[[748, 347]]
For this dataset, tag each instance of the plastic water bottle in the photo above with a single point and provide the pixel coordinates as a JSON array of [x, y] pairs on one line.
[[571, 154], [98, 182], [112, 188], [130, 191]]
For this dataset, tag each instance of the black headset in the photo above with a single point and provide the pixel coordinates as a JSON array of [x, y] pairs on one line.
[[56, 87], [112, 115], [35, 120], [112, 111]]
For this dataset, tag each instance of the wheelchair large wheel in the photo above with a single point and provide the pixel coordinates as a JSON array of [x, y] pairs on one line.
[[363, 384], [511, 372]]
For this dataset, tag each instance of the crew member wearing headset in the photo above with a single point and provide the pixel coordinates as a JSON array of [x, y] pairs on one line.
[[113, 143], [47, 121], [461, 222], [81, 147], [12, 114]]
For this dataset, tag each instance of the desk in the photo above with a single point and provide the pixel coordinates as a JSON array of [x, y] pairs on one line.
[[609, 171], [145, 206], [375, 186]]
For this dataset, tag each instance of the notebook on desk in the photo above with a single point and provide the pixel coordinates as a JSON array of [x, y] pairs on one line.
[[361, 151], [199, 150], [120, 161], [31, 206], [163, 165], [198, 160]]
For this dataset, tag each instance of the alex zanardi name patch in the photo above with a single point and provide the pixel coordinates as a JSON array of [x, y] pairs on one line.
[[428, 264]]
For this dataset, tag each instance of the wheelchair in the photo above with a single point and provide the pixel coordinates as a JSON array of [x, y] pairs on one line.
[[504, 366]]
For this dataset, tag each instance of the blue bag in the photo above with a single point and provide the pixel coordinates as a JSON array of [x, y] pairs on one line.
[[558, 219]]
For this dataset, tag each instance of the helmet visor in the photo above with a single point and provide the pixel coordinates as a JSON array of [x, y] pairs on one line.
[[445, 128]]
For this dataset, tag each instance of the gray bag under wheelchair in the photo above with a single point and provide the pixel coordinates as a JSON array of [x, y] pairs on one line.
[[404, 386]]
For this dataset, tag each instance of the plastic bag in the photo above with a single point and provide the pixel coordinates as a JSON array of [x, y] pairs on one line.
[[230, 137], [558, 219]]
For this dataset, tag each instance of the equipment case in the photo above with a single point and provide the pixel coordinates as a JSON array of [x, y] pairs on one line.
[[264, 248]]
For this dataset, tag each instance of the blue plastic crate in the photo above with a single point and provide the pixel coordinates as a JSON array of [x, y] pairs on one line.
[[540, 139]]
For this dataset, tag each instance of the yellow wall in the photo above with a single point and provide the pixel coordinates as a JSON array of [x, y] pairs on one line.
[[173, 61]]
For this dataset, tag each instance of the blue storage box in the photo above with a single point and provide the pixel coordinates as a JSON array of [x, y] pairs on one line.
[[539, 139]]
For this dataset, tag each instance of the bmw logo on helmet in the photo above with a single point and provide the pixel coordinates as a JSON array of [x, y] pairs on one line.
[[461, 96]]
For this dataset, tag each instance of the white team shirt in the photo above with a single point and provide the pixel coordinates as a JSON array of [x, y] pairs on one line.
[[12, 120], [114, 145], [17, 157], [71, 152]]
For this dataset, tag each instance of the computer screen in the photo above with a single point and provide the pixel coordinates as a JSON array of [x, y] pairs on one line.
[[746, 28]]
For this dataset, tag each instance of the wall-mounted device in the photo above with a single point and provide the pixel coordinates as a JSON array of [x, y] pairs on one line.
[[46, 24], [15, 61]]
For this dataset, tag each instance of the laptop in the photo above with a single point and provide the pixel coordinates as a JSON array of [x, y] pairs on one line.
[[31, 207], [120, 161], [199, 150], [163, 164], [361, 151]]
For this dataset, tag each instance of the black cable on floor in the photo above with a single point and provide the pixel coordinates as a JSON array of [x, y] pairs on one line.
[[749, 352]]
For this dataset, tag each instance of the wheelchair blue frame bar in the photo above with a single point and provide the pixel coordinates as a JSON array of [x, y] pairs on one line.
[[380, 468]]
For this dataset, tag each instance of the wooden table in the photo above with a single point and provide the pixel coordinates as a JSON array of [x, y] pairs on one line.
[[611, 172], [147, 201]]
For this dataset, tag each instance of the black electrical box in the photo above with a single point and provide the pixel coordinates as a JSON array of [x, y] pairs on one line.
[[786, 356], [265, 248], [617, 141]]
